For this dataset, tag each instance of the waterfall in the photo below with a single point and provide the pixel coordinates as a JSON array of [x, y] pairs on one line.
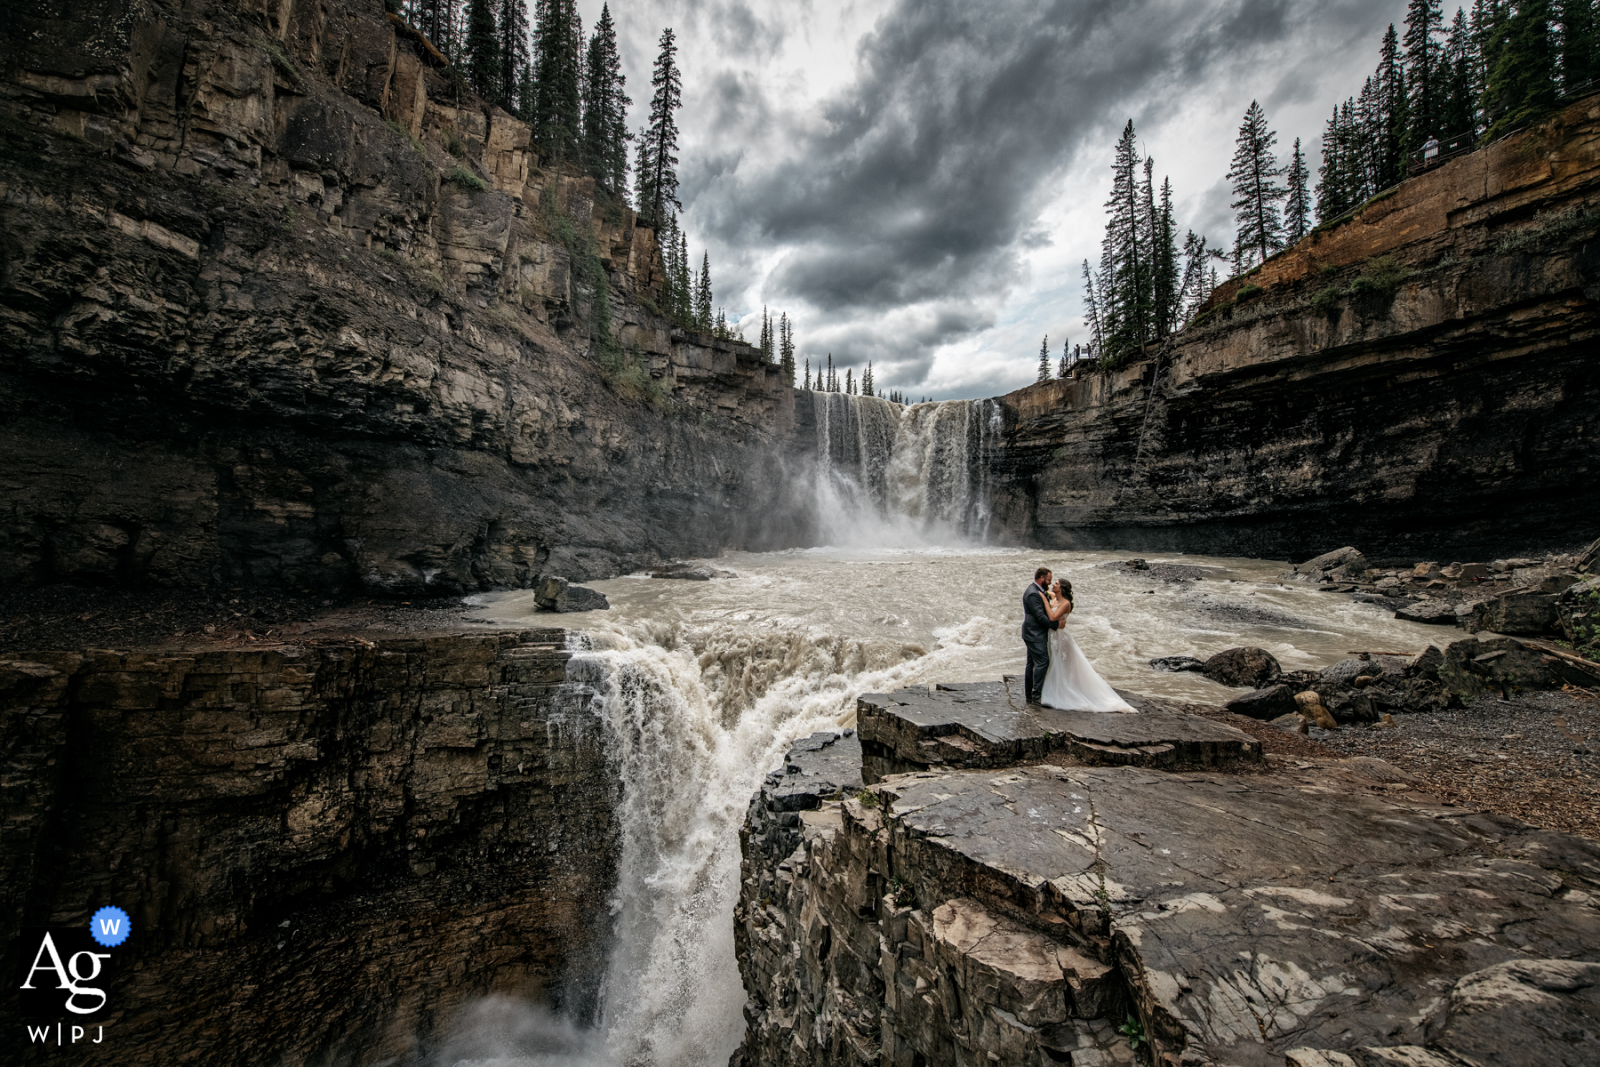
[[893, 475]]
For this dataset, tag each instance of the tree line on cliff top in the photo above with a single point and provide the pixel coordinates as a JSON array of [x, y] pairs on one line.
[[573, 96], [1435, 91]]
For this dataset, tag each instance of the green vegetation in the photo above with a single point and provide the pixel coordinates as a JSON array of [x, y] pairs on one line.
[[281, 61], [455, 145], [1554, 226], [867, 799], [463, 177], [1133, 1030], [1246, 292], [405, 133]]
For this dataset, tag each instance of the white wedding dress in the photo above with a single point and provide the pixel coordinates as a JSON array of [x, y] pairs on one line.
[[1071, 684]]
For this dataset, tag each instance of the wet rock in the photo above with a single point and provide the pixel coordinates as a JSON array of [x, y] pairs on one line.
[[700, 573], [1346, 671], [1242, 667], [1178, 663], [1437, 611], [1514, 613], [1426, 663], [1341, 564], [1501, 665], [557, 594], [1264, 704], [1312, 708]]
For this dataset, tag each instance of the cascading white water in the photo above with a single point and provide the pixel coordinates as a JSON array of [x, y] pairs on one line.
[[701, 686], [890, 475]]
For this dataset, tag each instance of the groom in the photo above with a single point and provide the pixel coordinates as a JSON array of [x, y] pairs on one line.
[[1036, 627]]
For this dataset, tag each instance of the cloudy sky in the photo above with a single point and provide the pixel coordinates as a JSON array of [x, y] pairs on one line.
[[917, 182]]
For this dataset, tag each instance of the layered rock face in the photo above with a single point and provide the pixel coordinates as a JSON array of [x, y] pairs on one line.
[[1414, 379], [325, 851], [1309, 913], [280, 305]]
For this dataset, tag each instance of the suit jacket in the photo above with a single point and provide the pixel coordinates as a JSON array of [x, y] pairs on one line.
[[1036, 621]]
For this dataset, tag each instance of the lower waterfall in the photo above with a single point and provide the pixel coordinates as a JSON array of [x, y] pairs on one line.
[[892, 475]]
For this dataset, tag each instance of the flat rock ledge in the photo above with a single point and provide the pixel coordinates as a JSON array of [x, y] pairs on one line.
[[988, 724], [1316, 913]]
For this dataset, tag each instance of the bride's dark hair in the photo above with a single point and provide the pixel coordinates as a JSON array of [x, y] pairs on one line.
[[1066, 588]]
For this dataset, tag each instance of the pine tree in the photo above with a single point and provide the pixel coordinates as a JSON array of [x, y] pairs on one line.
[[605, 109], [483, 49], [1253, 174], [1427, 73], [1168, 296], [513, 48], [1521, 86], [1333, 199], [1297, 205], [1393, 113], [722, 325], [1091, 301], [1066, 360], [1458, 112], [1124, 302], [831, 385], [786, 347], [866, 380], [1044, 360], [667, 242], [807, 384], [685, 289], [658, 143], [1194, 290], [702, 295], [1580, 43], [849, 383], [557, 106]]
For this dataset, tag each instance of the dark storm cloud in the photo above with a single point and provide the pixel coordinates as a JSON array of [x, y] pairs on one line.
[[922, 182]]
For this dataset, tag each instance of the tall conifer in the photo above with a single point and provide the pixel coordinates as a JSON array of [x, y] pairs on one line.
[[514, 58], [1297, 205], [702, 295], [1257, 194], [483, 49], [657, 173], [1044, 360], [557, 113], [1393, 113], [786, 347], [1580, 43], [605, 108], [1521, 84], [1426, 71]]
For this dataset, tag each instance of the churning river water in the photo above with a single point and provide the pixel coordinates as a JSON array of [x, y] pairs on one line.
[[702, 686]]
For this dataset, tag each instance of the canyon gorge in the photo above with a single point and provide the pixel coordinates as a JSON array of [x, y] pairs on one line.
[[283, 308]]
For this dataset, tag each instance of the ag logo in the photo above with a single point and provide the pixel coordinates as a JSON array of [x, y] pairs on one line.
[[65, 968]]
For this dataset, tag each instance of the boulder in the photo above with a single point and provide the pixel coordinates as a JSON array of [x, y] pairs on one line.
[[1315, 712], [1440, 612], [1346, 671], [1264, 704], [1352, 706], [1342, 563], [1241, 667], [1589, 557], [1178, 663], [557, 594], [1426, 664], [700, 573], [1514, 613], [1500, 665]]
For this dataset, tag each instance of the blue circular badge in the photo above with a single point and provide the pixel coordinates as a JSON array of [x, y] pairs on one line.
[[110, 926]]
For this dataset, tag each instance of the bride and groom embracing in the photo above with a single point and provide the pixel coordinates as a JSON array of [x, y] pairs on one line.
[[1058, 675]]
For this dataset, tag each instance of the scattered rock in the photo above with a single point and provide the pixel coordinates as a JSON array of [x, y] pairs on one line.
[[1137, 565], [1426, 664], [1589, 557], [1504, 665], [557, 594], [1178, 663], [1264, 704], [1240, 667]]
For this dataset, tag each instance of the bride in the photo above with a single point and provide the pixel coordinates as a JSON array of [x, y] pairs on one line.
[[1071, 684]]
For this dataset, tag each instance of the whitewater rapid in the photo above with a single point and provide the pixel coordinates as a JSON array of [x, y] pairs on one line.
[[702, 686]]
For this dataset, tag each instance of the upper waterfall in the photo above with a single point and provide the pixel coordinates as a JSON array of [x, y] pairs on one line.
[[889, 474]]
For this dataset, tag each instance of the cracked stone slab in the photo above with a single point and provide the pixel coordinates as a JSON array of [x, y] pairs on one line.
[[988, 724], [1257, 917]]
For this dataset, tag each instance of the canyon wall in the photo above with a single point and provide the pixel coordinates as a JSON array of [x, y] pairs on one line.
[[326, 850], [1418, 379], [281, 304]]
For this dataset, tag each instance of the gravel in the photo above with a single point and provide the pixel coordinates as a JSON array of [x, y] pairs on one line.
[[1535, 757]]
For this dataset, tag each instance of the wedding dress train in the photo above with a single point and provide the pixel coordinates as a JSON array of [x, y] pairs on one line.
[[1071, 684]]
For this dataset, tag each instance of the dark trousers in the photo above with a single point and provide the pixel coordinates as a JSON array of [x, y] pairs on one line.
[[1038, 663]]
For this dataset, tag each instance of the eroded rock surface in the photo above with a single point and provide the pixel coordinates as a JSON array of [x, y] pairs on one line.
[[1322, 914], [327, 851]]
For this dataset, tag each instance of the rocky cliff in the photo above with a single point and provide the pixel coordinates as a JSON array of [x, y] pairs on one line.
[[355, 837], [281, 304], [1101, 908], [1417, 379]]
